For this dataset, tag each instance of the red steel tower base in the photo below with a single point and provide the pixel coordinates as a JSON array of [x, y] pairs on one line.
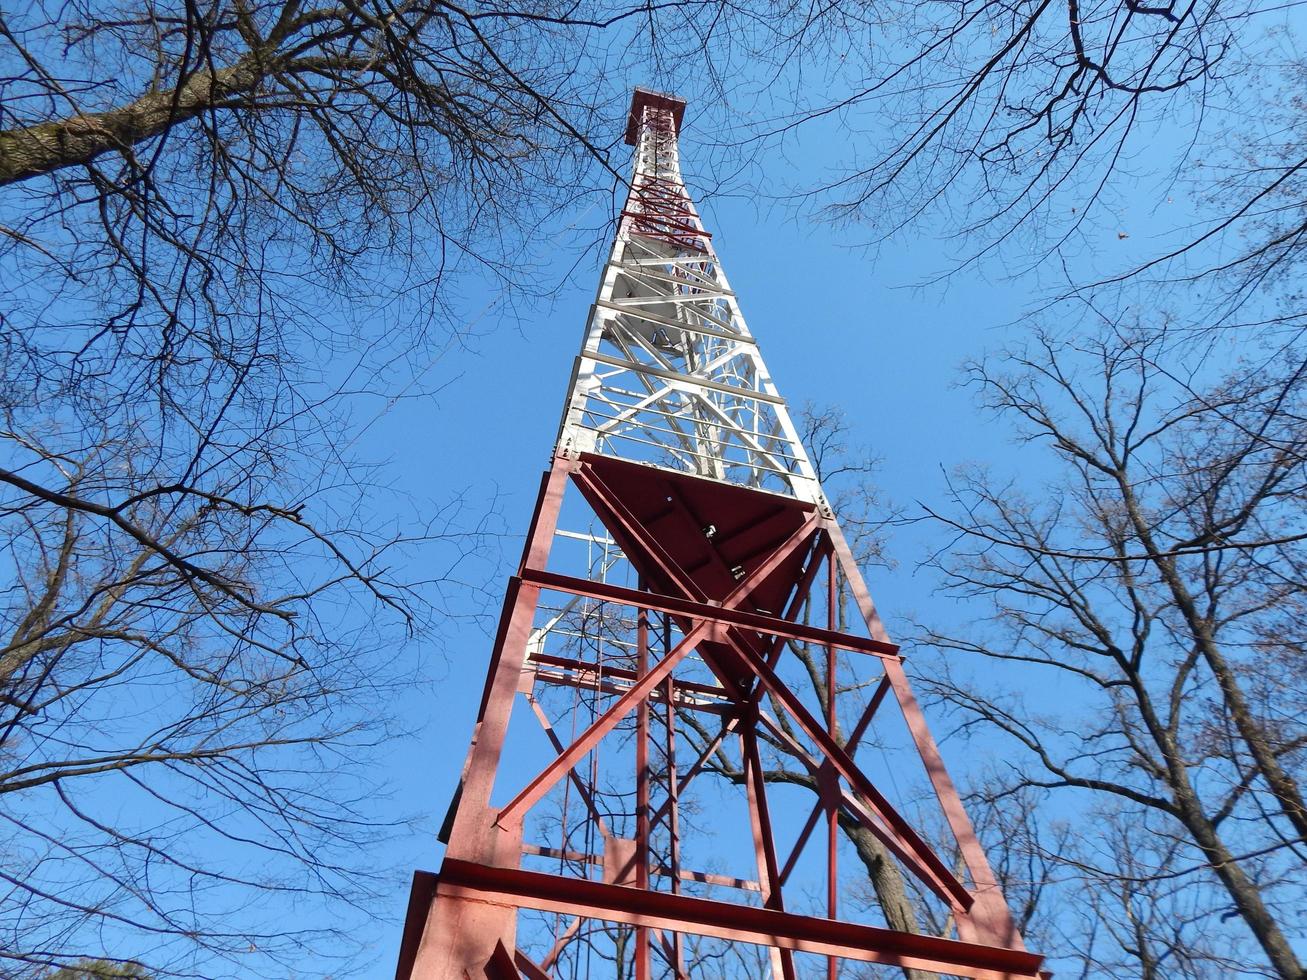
[[677, 628]]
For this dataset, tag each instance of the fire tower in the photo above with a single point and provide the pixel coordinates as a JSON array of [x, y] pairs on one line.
[[679, 646]]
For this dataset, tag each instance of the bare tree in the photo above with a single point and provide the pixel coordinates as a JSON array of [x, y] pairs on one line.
[[1033, 133], [1147, 588], [192, 679], [224, 227]]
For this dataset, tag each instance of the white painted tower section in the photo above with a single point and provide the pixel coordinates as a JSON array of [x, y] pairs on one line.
[[669, 373]]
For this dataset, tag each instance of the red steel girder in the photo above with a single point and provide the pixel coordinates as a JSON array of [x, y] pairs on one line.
[[682, 689], [703, 631], [635, 695], [724, 920], [708, 611], [727, 627]]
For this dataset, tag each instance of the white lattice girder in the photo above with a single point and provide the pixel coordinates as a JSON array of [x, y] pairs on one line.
[[669, 374]]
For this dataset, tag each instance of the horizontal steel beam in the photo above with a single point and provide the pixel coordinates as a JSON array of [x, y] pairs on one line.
[[703, 877], [737, 923], [683, 688], [605, 686], [635, 312], [677, 606], [654, 270], [685, 379]]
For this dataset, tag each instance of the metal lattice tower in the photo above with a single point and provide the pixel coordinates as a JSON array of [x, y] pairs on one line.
[[676, 630]]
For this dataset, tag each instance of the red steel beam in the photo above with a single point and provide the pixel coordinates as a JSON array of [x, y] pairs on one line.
[[861, 785], [529, 967], [605, 723], [991, 919], [683, 689], [728, 726], [501, 965], [885, 824], [561, 942], [674, 875], [849, 746], [679, 606], [643, 962], [801, 841], [829, 781], [736, 923], [675, 957], [868, 713], [581, 789]]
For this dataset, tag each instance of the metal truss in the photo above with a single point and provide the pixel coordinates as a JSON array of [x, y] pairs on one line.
[[669, 373], [710, 626]]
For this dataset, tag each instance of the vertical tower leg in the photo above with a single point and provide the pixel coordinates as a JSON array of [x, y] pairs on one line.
[[461, 936], [642, 964], [828, 788]]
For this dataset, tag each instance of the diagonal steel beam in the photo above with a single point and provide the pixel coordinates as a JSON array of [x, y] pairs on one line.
[[869, 712], [776, 626], [621, 523], [602, 725], [992, 919], [727, 727], [921, 854], [528, 966], [849, 746], [581, 789]]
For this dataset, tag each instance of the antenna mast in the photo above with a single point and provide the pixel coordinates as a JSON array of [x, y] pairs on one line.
[[675, 627]]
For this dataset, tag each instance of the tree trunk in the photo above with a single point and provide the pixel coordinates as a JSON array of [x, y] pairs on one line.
[[1281, 783], [50, 146], [887, 881], [1247, 897]]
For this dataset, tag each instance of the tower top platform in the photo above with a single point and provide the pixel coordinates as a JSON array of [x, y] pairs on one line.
[[642, 97]]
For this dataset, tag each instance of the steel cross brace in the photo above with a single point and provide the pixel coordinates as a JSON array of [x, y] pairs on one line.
[[635, 539], [690, 608], [919, 857], [901, 839], [850, 746], [916, 855], [645, 685]]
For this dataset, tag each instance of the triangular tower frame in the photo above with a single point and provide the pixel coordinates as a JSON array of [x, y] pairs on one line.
[[675, 439]]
